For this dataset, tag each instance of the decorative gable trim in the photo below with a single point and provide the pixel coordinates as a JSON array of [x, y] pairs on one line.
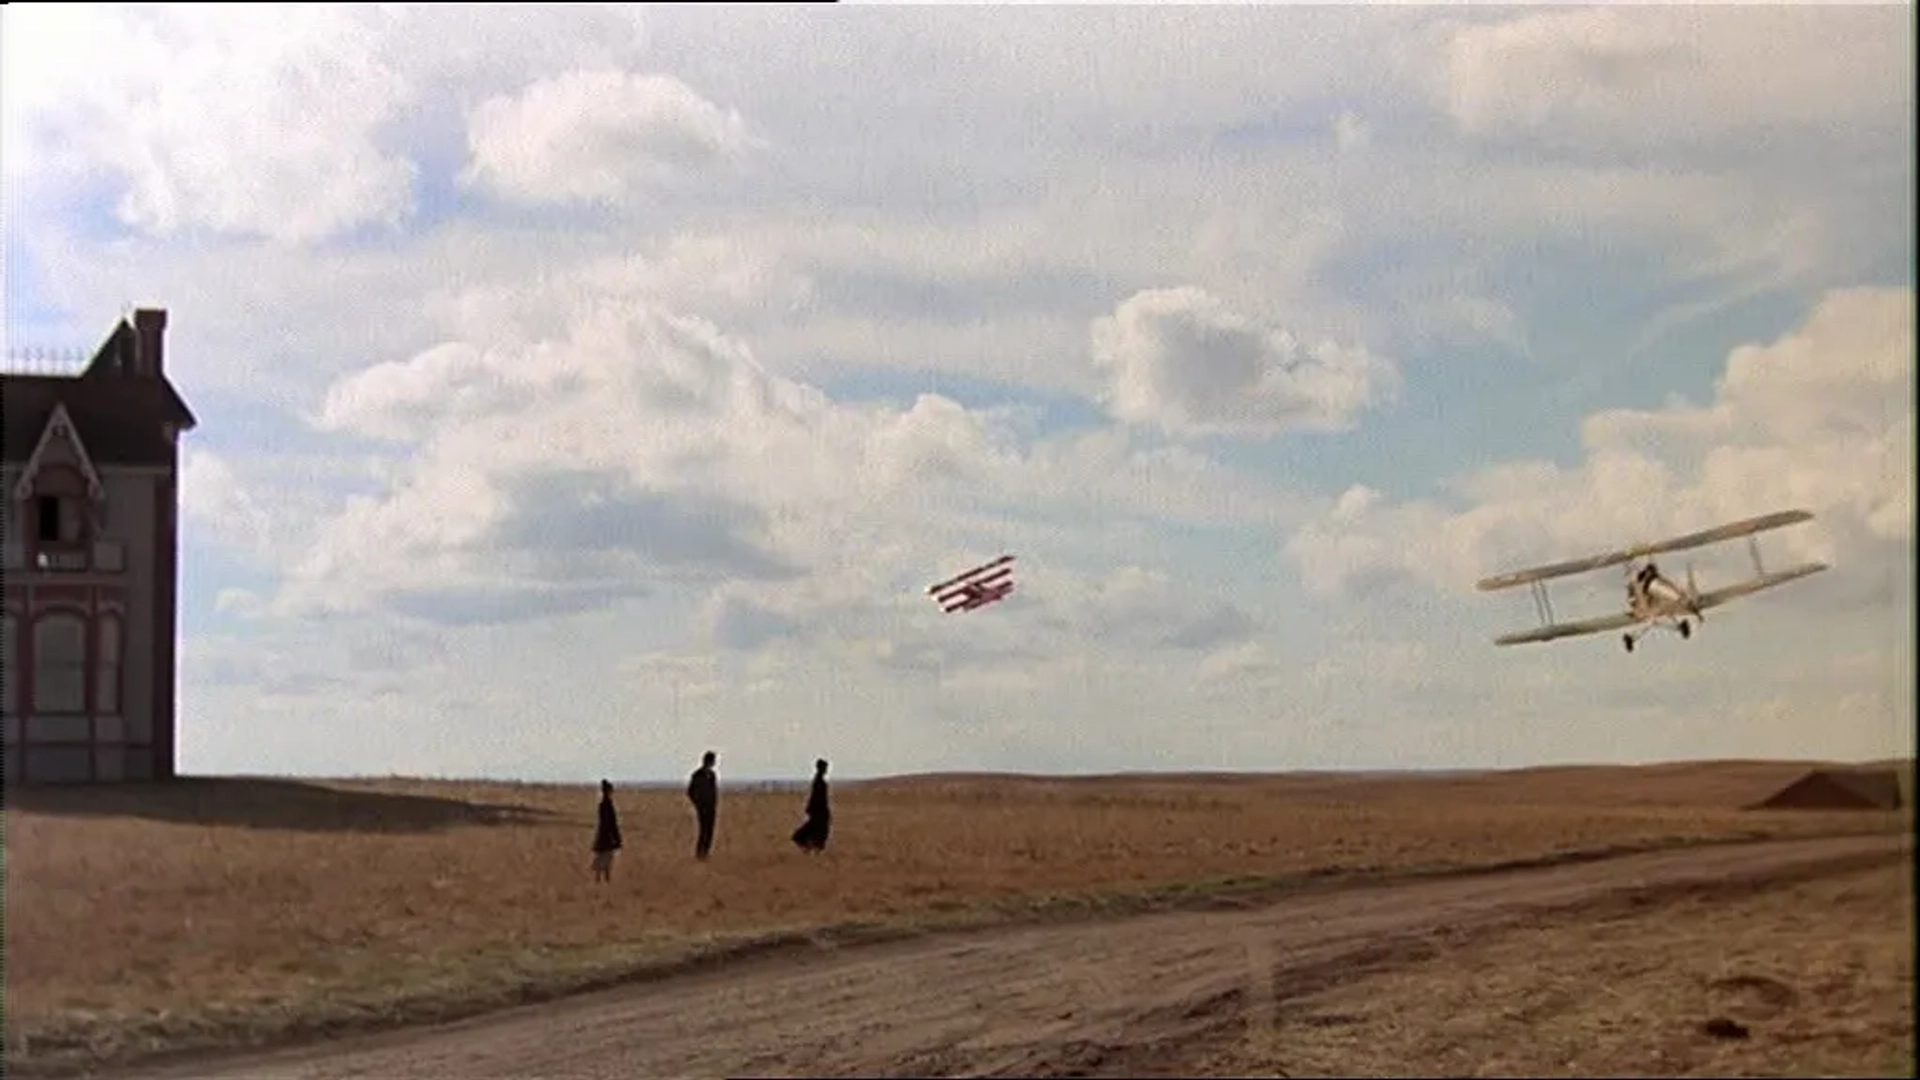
[[59, 426]]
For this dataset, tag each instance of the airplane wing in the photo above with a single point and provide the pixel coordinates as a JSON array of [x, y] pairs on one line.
[[1729, 531], [1714, 535], [1572, 629], [982, 597], [971, 575], [1554, 570], [1754, 585]]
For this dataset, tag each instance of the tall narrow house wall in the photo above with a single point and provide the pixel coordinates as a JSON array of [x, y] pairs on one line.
[[90, 548]]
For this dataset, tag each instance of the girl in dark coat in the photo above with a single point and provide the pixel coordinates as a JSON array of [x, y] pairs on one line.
[[811, 836], [606, 835]]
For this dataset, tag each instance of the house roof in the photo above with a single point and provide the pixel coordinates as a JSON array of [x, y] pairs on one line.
[[119, 413]]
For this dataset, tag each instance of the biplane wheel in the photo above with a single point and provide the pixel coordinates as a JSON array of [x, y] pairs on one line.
[[1686, 630], [1627, 640]]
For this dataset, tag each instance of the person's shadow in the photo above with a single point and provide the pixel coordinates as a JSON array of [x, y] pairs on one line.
[[268, 803]]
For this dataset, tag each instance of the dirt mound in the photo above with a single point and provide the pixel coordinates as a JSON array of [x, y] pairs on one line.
[[1838, 789]]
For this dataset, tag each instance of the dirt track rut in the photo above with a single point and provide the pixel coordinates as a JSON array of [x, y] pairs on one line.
[[1117, 998]]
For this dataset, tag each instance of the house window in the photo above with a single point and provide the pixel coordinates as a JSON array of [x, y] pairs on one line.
[[106, 689], [60, 519], [49, 517], [60, 664]]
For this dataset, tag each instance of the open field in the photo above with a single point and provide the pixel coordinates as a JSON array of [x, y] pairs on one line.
[[1243, 990], [227, 911]]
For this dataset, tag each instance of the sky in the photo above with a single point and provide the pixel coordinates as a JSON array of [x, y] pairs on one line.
[[584, 387]]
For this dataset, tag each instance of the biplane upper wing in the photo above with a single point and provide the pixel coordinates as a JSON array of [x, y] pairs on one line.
[[1554, 570], [1573, 629], [1755, 584], [973, 574], [1729, 531]]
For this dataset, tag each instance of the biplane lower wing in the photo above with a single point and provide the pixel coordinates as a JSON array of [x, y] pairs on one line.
[[1572, 629], [1706, 600], [1755, 584], [982, 598]]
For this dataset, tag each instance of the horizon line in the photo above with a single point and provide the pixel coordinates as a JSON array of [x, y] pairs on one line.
[[1081, 777]]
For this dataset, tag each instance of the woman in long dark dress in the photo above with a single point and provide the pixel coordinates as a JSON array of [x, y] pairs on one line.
[[811, 836], [606, 835]]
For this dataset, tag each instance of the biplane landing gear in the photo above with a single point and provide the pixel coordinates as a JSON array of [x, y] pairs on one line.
[[1686, 630], [1627, 640]]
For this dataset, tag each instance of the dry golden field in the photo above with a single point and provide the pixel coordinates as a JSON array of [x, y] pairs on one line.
[[1814, 979], [236, 910]]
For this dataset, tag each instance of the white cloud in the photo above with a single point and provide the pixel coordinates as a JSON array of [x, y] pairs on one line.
[[1819, 419], [289, 124], [1182, 360], [1003, 287], [598, 136], [1634, 76], [208, 119], [639, 446], [212, 497]]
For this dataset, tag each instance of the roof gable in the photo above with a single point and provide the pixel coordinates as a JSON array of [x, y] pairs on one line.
[[59, 444]]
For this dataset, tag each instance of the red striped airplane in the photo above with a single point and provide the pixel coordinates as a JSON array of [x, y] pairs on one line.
[[978, 587]]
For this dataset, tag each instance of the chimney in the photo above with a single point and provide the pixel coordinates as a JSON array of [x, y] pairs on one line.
[[149, 328]]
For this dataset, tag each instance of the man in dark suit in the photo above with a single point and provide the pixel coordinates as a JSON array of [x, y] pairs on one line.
[[703, 791]]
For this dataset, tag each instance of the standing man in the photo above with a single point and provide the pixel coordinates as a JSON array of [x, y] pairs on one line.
[[606, 835], [703, 791]]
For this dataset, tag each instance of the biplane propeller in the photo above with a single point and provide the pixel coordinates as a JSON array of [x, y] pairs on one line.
[[978, 587], [1652, 599]]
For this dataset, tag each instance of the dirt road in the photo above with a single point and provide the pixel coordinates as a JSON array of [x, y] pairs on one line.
[[1150, 995]]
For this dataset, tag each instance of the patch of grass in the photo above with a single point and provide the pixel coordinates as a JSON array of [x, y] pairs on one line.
[[213, 912]]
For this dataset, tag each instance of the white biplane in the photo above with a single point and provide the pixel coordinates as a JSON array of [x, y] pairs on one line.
[[1653, 600]]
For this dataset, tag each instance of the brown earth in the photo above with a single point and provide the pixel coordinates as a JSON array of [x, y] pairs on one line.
[[1468, 975], [1787, 980], [222, 912]]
